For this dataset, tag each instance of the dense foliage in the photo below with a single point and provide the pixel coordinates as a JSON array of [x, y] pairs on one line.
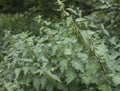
[[63, 47]]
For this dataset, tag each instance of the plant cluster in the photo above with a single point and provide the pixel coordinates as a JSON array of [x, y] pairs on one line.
[[66, 56], [73, 53]]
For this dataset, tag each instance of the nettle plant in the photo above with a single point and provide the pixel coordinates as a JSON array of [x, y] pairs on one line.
[[66, 56]]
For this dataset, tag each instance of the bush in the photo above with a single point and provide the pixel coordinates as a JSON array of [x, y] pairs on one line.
[[73, 53], [66, 56]]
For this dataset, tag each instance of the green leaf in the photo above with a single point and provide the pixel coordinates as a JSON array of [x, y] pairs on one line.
[[36, 83], [70, 76], [77, 65], [103, 51], [69, 20], [85, 37], [67, 40], [9, 86], [25, 69], [93, 25], [114, 55], [83, 56], [104, 87], [43, 81], [27, 60], [113, 41], [53, 76], [17, 72], [118, 46], [116, 80], [47, 23], [38, 19], [92, 67], [72, 10], [104, 30], [63, 65], [80, 19], [85, 80], [68, 51]]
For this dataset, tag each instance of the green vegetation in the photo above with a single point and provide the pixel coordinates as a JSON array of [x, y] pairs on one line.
[[60, 45]]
